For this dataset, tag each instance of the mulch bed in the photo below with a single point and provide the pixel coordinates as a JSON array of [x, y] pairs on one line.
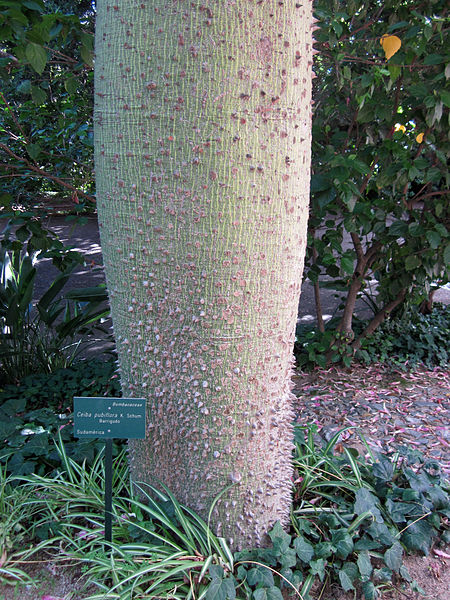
[[390, 408]]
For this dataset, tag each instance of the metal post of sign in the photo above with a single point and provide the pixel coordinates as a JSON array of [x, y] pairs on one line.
[[108, 490], [109, 418]]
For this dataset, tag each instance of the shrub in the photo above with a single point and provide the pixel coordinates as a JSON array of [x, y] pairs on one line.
[[50, 333], [411, 339], [32, 413], [407, 340]]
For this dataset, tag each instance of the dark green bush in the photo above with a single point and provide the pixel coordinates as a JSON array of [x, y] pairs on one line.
[[411, 339], [407, 340], [32, 413]]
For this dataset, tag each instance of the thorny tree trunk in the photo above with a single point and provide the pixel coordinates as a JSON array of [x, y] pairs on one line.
[[202, 137]]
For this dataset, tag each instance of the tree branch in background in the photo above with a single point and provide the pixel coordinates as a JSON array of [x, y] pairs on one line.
[[379, 318], [41, 173]]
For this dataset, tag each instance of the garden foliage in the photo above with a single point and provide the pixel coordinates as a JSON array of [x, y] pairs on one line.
[[380, 142], [46, 62], [352, 522], [33, 412], [49, 334], [404, 340]]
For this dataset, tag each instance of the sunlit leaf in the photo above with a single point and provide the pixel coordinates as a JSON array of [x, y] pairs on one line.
[[391, 44]]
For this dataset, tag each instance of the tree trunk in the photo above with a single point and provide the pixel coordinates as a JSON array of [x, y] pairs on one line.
[[202, 149]]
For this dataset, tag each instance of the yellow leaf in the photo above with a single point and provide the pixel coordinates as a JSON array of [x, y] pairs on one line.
[[419, 138], [399, 127], [391, 44]]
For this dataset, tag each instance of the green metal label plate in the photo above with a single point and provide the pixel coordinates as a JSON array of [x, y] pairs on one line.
[[109, 417]]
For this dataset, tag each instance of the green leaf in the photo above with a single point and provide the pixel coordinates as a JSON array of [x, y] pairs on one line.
[[33, 150], [445, 95], [381, 533], [272, 593], [288, 558], [304, 550], [398, 25], [8, 428], [33, 5], [433, 59], [320, 182], [365, 501], [398, 229], [71, 85], [260, 575], [418, 536], [38, 95], [441, 229], [369, 590], [399, 510], [323, 550], [434, 239], [37, 56], [447, 255], [383, 574], [364, 564], [412, 262], [415, 229], [404, 573], [280, 539], [221, 589], [393, 557], [317, 567], [351, 569], [216, 572], [439, 498], [55, 30], [346, 582], [383, 469], [24, 87], [394, 71], [38, 445], [87, 56], [347, 264], [343, 543]]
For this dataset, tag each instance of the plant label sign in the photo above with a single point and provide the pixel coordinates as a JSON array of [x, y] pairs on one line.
[[109, 417]]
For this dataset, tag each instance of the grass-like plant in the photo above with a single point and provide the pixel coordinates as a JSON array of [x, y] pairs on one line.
[[17, 528], [159, 548], [353, 519]]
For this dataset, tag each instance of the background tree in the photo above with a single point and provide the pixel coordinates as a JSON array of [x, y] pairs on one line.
[[46, 102], [380, 147], [203, 124]]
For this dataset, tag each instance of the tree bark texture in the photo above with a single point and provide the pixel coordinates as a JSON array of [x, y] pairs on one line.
[[202, 150]]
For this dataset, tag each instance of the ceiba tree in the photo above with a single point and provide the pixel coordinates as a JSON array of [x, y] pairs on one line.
[[202, 153]]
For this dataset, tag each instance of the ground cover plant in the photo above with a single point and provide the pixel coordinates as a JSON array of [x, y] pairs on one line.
[[353, 520], [405, 340], [34, 411], [411, 339]]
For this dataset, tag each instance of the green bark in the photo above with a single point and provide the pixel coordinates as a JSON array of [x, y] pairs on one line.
[[202, 148]]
